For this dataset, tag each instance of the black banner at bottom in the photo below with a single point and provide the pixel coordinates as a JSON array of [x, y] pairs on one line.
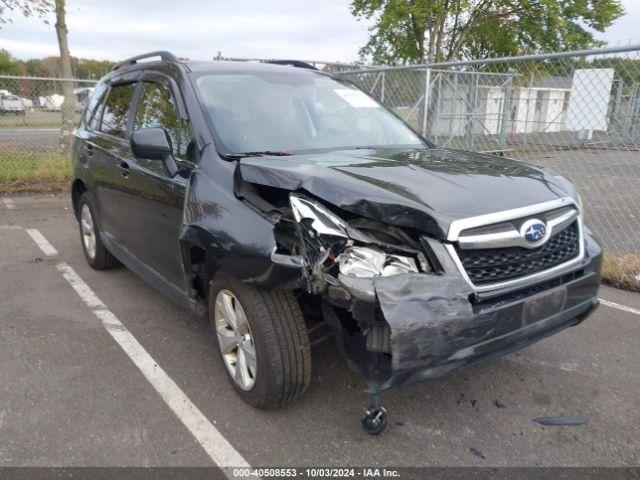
[[408, 473]]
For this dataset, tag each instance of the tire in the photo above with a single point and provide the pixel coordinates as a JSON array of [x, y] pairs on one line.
[[98, 257], [278, 336]]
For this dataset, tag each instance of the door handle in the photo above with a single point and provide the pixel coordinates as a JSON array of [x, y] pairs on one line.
[[124, 167]]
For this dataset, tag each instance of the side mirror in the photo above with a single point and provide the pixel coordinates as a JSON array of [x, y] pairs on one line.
[[154, 144]]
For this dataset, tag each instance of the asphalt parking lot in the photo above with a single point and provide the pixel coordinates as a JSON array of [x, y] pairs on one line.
[[74, 393]]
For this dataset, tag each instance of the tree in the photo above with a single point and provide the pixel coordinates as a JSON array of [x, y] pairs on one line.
[[417, 31], [8, 64], [69, 103], [34, 67], [87, 68], [27, 8]]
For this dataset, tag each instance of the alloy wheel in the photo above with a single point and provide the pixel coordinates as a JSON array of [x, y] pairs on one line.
[[88, 231], [235, 339]]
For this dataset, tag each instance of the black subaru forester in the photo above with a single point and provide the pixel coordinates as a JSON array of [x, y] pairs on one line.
[[272, 198]]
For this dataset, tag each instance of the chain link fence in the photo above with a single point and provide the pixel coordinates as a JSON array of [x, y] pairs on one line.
[[31, 146], [577, 113]]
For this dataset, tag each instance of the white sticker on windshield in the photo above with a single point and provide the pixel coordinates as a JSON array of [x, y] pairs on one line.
[[356, 98]]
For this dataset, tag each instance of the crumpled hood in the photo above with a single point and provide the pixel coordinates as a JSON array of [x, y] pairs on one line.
[[422, 189]]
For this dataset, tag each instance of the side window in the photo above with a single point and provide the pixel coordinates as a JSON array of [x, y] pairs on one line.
[[116, 109], [157, 109], [96, 99]]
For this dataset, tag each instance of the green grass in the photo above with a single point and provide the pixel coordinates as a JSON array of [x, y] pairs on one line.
[[622, 271], [34, 172]]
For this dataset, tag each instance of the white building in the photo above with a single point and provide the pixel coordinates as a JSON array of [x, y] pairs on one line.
[[541, 108]]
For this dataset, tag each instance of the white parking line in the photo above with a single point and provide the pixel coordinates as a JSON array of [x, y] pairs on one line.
[[42, 242], [207, 435], [81, 288], [8, 203], [220, 451], [624, 308]]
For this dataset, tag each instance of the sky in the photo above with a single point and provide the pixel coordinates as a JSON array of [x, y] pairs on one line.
[[322, 30]]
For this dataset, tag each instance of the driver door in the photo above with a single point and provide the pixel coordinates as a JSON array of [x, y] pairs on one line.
[[157, 199]]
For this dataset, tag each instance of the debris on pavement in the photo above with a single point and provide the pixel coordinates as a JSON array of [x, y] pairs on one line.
[[561, 420], [500, 404], [477, 453]]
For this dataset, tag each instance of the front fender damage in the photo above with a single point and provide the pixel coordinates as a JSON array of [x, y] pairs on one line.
[[220, 232]]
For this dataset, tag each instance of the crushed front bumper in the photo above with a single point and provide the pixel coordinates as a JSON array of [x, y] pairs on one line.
[[437, 326]]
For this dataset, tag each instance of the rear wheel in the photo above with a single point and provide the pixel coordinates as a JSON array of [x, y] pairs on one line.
[[262, 339], [94, 250]]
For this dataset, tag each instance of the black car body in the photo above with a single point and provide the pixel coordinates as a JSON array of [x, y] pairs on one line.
[[422, 260]]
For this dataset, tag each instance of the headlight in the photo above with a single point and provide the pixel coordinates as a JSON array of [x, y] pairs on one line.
[[370, 262]]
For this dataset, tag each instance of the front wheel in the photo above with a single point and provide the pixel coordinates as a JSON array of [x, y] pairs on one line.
[[262, 339]]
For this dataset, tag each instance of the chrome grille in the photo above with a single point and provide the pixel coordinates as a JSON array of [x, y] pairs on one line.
[[495, 265]]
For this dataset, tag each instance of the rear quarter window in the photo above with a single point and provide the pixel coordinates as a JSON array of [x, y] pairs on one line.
[[116, 109], [92, 112]]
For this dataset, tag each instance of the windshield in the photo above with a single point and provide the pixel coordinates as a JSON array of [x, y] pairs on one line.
[[292, 111]]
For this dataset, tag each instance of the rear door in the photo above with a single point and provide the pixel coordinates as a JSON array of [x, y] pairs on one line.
[[109, 151], [155, 200], [84, 145]]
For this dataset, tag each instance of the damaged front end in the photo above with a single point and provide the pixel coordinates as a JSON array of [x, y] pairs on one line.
[[401, 311], [401, 307]]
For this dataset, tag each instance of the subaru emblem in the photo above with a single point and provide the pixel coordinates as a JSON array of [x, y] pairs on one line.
[[534, 232]]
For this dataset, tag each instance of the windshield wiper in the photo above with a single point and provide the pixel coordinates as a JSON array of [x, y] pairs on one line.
[[264, 153]]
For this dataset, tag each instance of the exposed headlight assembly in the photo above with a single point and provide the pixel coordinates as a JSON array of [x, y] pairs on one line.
[[371, 262], [328, 245], [358, 266]]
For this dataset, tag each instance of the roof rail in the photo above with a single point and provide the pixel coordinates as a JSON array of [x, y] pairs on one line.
[[164, 56], [293, 63]]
